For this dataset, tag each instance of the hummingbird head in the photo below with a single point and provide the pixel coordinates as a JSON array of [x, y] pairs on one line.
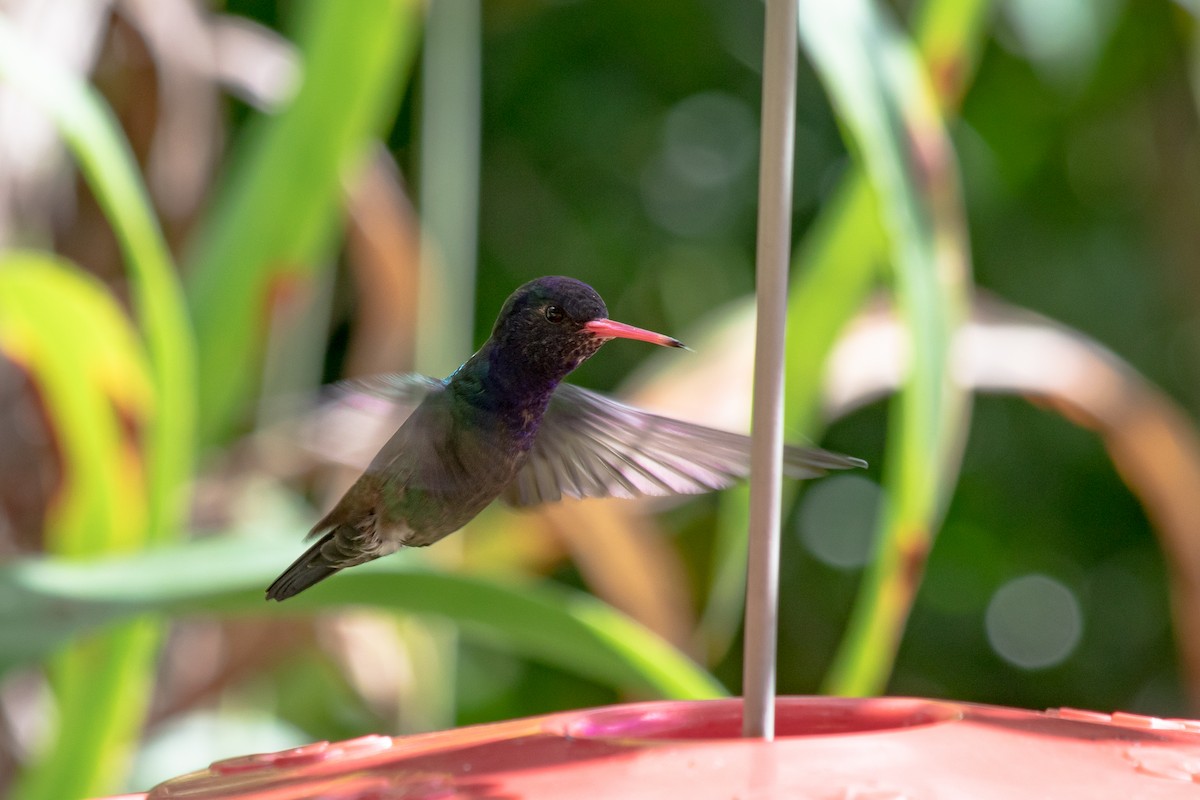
[[551, 325]]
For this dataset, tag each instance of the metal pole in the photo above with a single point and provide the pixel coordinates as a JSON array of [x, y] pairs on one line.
[[766, 447]]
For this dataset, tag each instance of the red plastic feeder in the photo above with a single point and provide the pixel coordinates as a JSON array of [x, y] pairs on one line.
[[870, 749]]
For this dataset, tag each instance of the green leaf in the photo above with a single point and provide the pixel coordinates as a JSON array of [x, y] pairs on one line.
[[838, 264], [94, 137], [102, 684], [847, 246], [95, 389], [87, 384], [46, 602], [875, 80], [274, 220]]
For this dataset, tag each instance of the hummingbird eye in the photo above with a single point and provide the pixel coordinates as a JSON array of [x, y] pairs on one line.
[[555, 314]]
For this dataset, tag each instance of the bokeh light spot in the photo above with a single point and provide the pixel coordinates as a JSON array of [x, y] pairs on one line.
[[837, 520], [1033, 622], [709, 141]]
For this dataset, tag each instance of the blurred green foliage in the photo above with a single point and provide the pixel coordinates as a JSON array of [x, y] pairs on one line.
[[618, 145]]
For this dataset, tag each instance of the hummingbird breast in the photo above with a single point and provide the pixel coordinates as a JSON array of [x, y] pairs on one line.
[[453, 461]]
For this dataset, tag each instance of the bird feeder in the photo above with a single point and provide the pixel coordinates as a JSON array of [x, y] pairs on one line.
[[856, 749]]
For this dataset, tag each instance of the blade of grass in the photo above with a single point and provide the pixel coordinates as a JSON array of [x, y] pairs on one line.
[[847, 245], [277, 214], [87, 385], [449, 200], [94, 137], [873, 76], [92, 387], [44, 602], [102, 692], [449, 206], [836, 267]]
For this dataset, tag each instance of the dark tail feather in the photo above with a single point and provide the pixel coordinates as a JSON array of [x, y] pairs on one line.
[[310, 568]]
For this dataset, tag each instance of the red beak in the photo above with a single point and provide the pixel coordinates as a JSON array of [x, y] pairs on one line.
[[611, 329]]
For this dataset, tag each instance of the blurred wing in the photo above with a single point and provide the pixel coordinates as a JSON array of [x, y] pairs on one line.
[[358, 416], [399, 390], [591, 446]]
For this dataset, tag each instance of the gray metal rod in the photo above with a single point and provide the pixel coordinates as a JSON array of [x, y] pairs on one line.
[[766, 432]]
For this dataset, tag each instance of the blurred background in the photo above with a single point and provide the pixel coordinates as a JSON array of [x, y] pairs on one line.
[[208, 211]]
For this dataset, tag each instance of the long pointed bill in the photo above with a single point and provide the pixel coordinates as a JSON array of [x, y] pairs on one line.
[[611, 329]]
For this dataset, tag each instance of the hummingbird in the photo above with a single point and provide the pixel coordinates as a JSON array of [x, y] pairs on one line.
[[504, 425]]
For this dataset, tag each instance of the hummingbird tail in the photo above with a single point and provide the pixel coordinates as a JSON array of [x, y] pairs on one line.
[[310, 568]]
